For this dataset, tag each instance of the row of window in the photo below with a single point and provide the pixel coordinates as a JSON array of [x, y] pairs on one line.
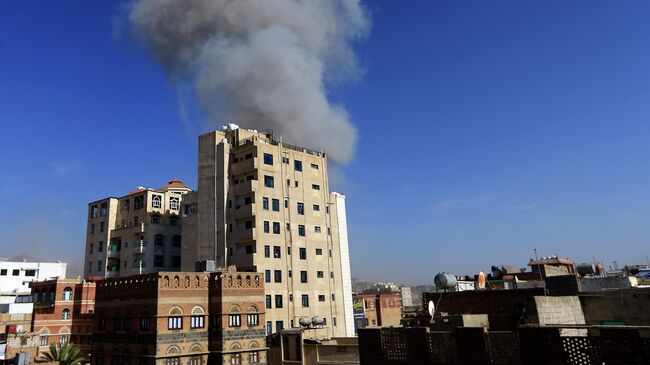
[[49, 296], [297, 164], [277, 275], [304, 300], [276, 228], [279, 325], [269, 182], [138, 203], [277, 252], [16, 272], [159, 241]]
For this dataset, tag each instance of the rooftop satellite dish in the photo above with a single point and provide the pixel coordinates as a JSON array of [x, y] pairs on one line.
[[432, 308]]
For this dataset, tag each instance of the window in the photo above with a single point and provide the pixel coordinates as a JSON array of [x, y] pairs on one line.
[[248, 200], [174, 323], [334, 321], [125, 205], [265, 203], [276, 227], [276, 252], [235, 359], [30, 272], [138, 202], [176, 261], [65, 314], [174, 203], [288, 250], [42, 340], [269, 327], [303, 276], [316, 229], [267, 227], [63, 339], [197, 321], [268, 302], [316, 207], [321, 298], [93, 211], [268, 181], [156, 201], [176, 241], [278, 301], [279, 325], [253, 319], [268, 159], [92, 228], [303, 253], [155, 218], [331, 274], [315, 186], [320, 274], [159, 240], [248, 156], [173, 221], [67, 294], [101, 226], [285, 160], [330, 251], [301, 230], [15, 272], [248, 224], [158, 260], [196, 360], [329, 231], [267, 251], [173, 361], [314, 166], [3, 272], [234, 320], [253, 357], [276, 205], [277, 275], [144, 324], [333, 297], [305, 301], [319, 251], [267, 276], [91, 247], [301, 208], [297, 165], [102, 209], [286, 203]]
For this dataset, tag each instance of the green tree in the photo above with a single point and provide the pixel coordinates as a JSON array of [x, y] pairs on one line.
[[66, 354]]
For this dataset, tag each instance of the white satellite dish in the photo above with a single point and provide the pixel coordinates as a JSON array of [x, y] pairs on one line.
[[432, 308]]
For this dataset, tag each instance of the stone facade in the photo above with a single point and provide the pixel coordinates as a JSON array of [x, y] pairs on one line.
[[173, 318]]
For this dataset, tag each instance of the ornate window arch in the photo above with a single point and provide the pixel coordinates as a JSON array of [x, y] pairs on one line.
[[176, 311], [65, 314], [173, 349], [235, 346], [235, 309], [253, 345], [156, 201], [196, 348], [253, 309], [67, 293], [198, 310]]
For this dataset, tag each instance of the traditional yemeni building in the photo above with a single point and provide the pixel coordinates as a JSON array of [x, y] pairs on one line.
[[135, 234], [63, 312], [381, 309], [174, 318], [265, 206]]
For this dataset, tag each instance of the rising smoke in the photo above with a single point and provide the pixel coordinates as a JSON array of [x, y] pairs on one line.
[[264, 64]]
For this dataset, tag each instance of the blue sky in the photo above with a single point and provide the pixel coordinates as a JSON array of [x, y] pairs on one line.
[[487, 129]]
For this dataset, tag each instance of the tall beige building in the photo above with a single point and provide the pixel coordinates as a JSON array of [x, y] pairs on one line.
[[135, 234], [265, 206]]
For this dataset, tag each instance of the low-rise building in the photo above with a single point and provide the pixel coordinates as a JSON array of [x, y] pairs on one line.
[[15, 276], [63, 312], [380, 309], [173, 318]]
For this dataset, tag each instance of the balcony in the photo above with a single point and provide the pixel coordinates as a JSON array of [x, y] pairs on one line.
[[139, 247], [242, 235], [112, 273], [246, 187], [139, 264], [113, 253], [243, 166], [245, 211]]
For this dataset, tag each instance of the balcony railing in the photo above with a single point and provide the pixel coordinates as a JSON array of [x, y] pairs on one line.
[[139, 247], [112, 274], [139, 264]]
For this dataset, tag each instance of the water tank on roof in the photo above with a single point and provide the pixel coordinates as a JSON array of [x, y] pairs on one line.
[[305, 322], [317, 321], [445, 281], [586, 268]]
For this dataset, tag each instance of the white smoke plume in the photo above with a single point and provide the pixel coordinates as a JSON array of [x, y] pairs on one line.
[[264, 64]]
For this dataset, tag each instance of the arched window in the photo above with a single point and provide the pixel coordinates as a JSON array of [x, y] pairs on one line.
[[176, 241], [67, 293], [156, 201], [65, 314], [155, 218], [159, 240]]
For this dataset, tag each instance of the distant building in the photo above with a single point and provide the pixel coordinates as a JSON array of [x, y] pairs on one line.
[[135, 234], [292, 347], [63, 312], [174, 318], [380, 309], [15, 276], [405, 295]]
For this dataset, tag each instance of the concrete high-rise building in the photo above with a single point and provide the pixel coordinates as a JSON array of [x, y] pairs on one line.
[[265, 206], [135, 234]]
